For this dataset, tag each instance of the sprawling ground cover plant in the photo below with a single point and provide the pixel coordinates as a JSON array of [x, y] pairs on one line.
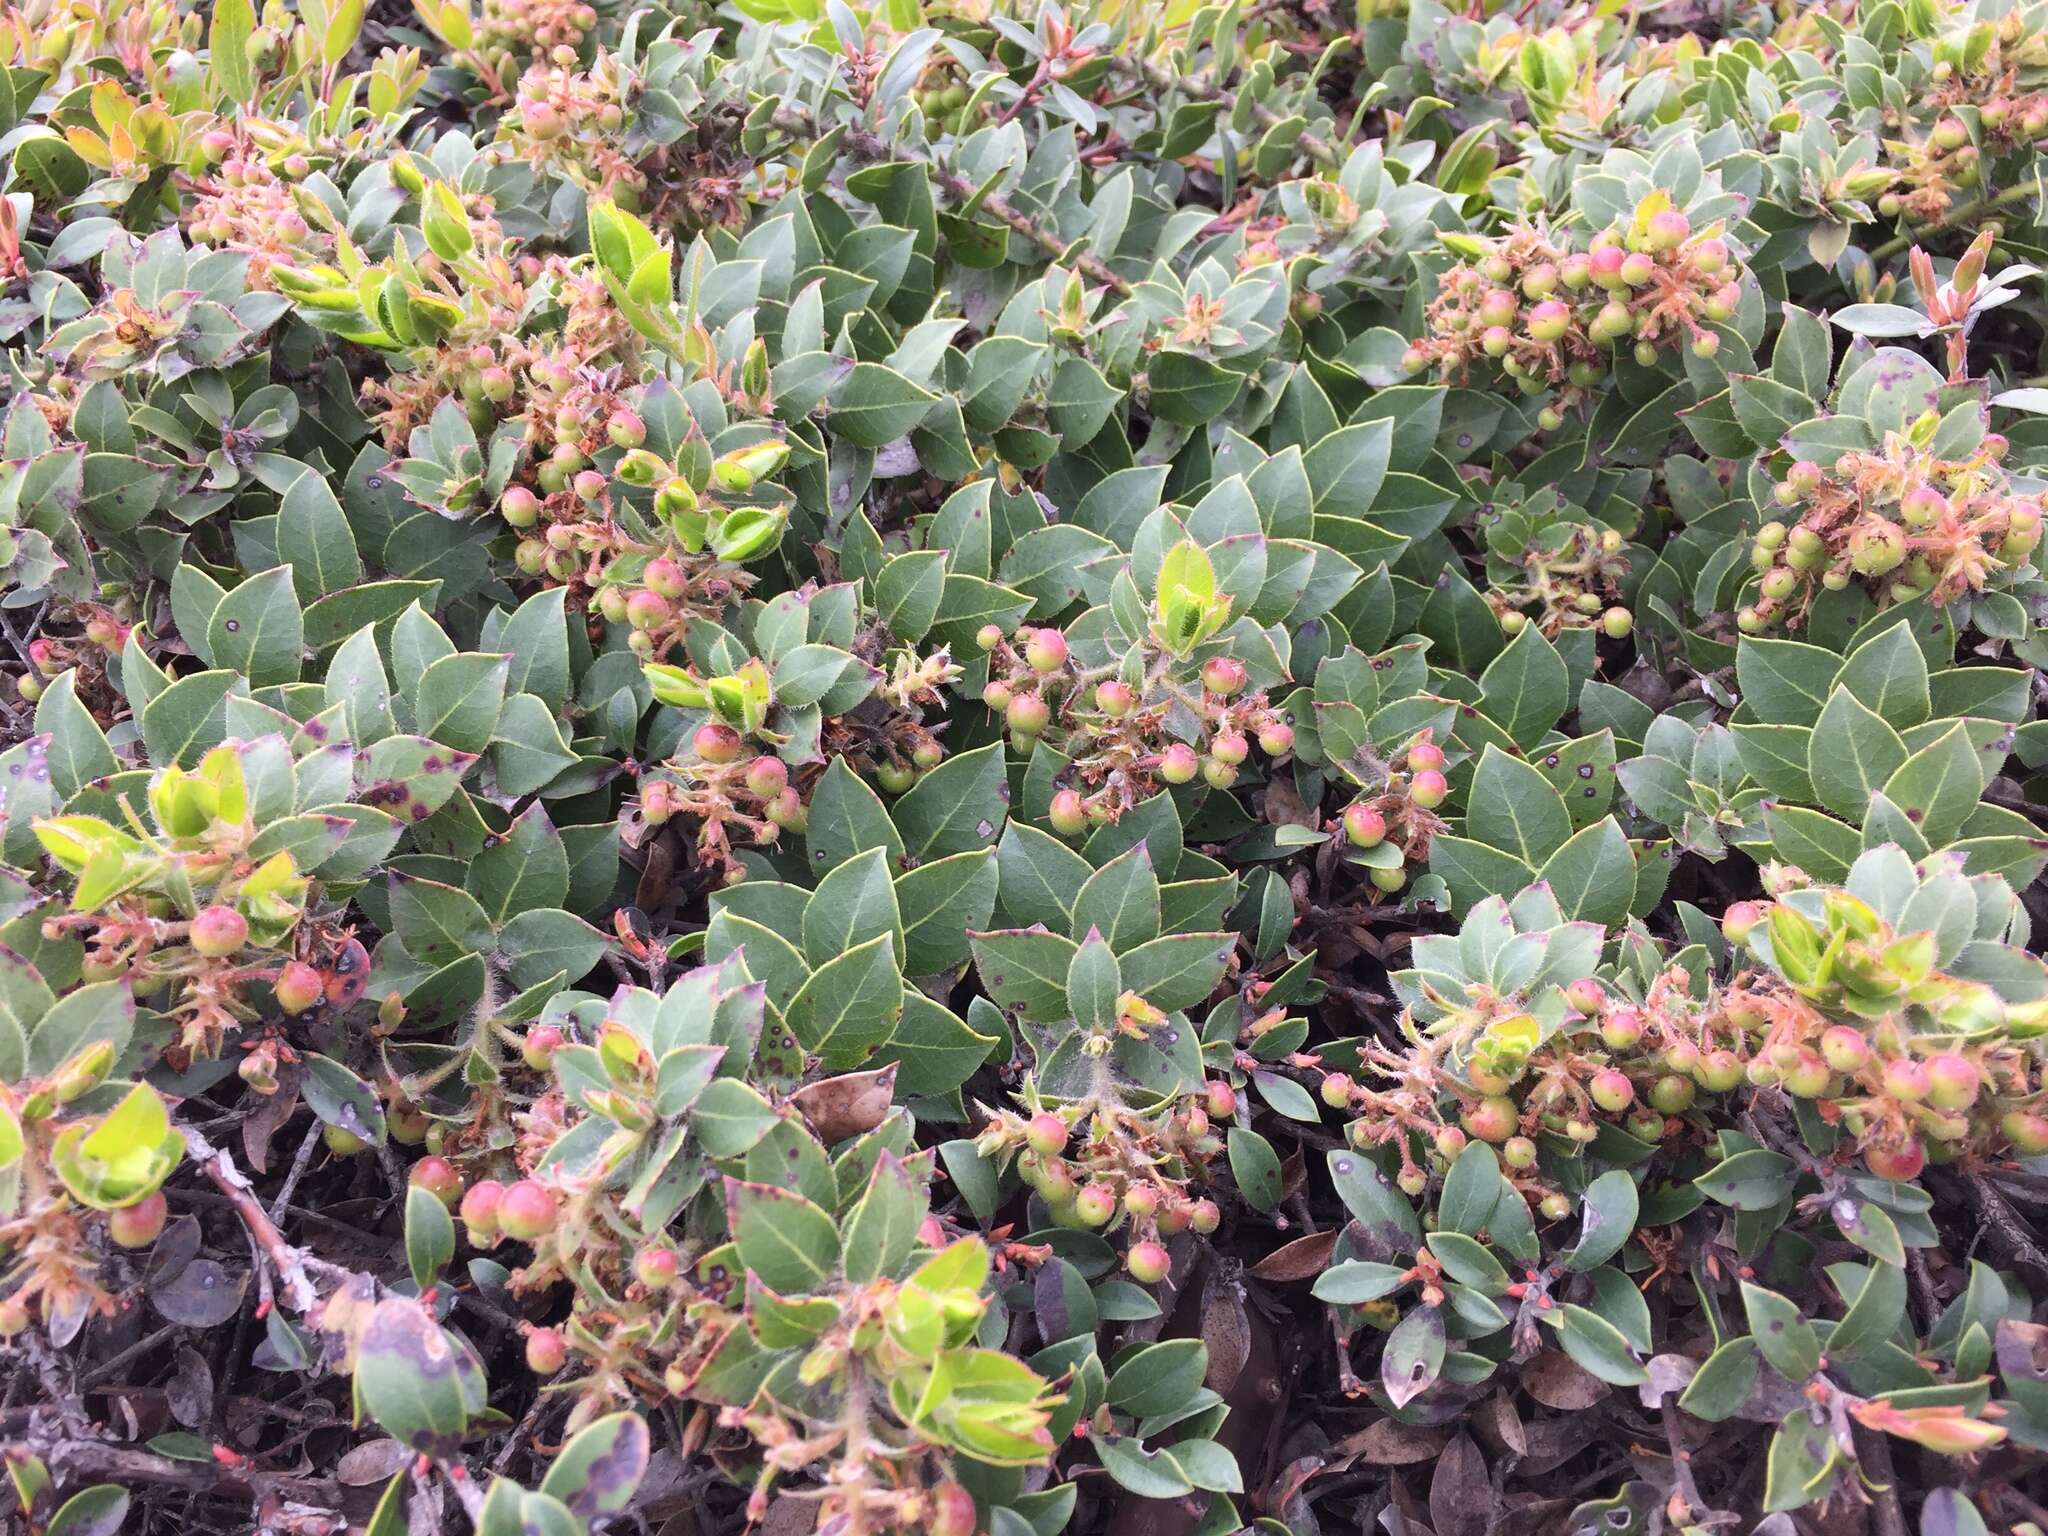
[[953, 768]]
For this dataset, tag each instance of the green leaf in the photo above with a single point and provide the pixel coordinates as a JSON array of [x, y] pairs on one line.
[[1347, 468], [259, 631], [849, 1006], [1752, 1180], [1177, 971], [77, 751], [1188, 390], [874, 405], [1256, 1168], [854, 903], [409, 1376], [881, 1230], [1787, 1340], [227, 41], [1511, 807], [1888, 673], [1025, 969], [846, 818], [1159, 1378], [1722, 1385], [525, 868], [429, 1236], [1853, 752], [1413, 1356], [96, 1511], [1593, 875], [1598, 1347], [908, 590], [1938, 786], [939, 903], [1093, 983], [459, 698], [599, 1470], [1526, 688], [959, 807], [787, 1242], [315, 540], [1357, 1281], [1607, 1220], [1122, 900], [1784, 682], [1040, 875]]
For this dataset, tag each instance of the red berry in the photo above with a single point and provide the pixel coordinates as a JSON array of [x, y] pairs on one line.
[[1046, 1133], [1672, 1094], [657, 1268], [527, 1210], [1906, 1079], [1364, 826], [1427, 789], [1586, 995], [1224, 675], [1898, 1163], [1046, 650], [439, 1178], [1844, 1049], [665, 578], [1492, 1119], [646, 610], [716, 742], [1028, 714], [1095, 1204], [546, 1353], [1068, 814], [952, 1511], [219, 931], [1178, 763], [1276, 737], [540, 1045], [1425, 755], [1612, 1090], [480, 1211], [1621, 1029], [1230, 747], [2027, 1130], [298, 987], [1220, 1099], [1115, 699], [1952, 1081], [137, 1225], [1149, 1263]]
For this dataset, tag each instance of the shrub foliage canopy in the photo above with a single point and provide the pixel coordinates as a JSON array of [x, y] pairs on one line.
[[952, 768]]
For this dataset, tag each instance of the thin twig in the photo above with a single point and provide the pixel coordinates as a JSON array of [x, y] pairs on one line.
[[79, 1458], [289, 1263]]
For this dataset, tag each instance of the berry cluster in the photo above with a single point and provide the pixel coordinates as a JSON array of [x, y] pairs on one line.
[[1568, 583], [1550, 317], [1401, 814], [250, 203], [522, 29], [578, 531], [729, 796], [1130, 1172], [566, 121], [1124, 738], [1904, 519]]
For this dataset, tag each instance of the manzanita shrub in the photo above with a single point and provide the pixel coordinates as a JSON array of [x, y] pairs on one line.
[[988, 768]]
